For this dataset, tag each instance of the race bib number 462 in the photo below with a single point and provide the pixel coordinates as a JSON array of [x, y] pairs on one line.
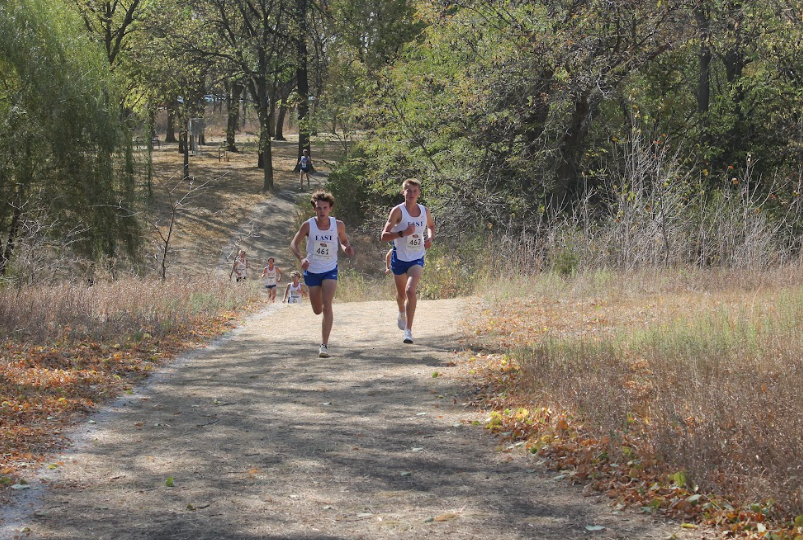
[[415, 241]]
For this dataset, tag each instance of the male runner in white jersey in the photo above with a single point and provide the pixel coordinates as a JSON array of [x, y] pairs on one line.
[[272, 275], [411, 228], [319, 262]]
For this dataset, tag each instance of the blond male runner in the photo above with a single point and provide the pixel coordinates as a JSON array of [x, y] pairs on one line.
[[411, 228], [323, 233]]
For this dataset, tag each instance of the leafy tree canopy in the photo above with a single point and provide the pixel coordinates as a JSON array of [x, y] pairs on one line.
[[60, 125]]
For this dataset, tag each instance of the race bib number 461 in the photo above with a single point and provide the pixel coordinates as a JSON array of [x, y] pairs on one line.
[[323, 251]]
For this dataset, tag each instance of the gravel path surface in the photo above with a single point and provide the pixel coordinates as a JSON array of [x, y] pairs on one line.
[[263, 440]]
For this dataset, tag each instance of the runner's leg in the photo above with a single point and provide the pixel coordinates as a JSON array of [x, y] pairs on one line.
[[328, 287], [316, 299], [413, 277], [401, 284]]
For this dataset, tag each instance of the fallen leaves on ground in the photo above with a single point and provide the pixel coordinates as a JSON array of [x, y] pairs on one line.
[[45, 389]]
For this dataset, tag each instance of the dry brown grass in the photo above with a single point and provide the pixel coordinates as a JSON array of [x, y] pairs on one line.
[[67, 348], [682, 371], [116, 310]]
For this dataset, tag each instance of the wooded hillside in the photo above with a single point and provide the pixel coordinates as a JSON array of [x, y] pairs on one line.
[[618, 133]]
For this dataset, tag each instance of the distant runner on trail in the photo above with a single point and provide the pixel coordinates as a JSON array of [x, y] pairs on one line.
[[294, 291], [323, 233], [411, 229], [304, 164], [240, 267], [272, 276]]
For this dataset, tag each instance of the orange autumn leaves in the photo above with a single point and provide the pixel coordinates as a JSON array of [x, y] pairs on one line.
[[44, 389]]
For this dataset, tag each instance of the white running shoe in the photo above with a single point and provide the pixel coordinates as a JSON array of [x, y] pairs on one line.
[[401, 321], [323, 352], [408, 336]]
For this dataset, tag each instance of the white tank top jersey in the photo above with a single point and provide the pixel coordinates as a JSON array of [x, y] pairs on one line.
[[411, 248], [322, 247], [240, 268], [270, 276], [295, 294]]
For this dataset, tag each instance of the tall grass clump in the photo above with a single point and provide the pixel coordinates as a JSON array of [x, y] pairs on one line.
[[727, 403], [114, 309], [354, 286], [711, 387], [649, 210], [448, 273]]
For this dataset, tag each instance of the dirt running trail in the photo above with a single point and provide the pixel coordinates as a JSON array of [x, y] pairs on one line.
[[263, 440], [269, 230]]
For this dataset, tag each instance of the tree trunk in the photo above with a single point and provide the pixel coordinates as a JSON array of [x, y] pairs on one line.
[[567, 178], [265, 157], [265, 151], [735, 62], [265, 160], [8, 252], [185, 140], [233, 103], [149, 164], [302, 80], [170, 136], [280, 122], [704, 81]]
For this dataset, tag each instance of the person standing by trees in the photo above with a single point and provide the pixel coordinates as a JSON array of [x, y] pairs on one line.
[[304, 164], [323, 234], [272, 275], [411, 228]]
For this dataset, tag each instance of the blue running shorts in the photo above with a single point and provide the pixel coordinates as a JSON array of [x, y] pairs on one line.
[[400, 267], [315, 280]]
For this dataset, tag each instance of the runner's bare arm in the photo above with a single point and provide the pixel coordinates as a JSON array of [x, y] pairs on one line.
[[302, 233], [348, 249], [430, 230], [393, 219]]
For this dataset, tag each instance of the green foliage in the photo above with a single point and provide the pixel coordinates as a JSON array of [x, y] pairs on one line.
[[449, 273], [484, 106], [345, 182], [59, 134], [565, 262], [506, 110]]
